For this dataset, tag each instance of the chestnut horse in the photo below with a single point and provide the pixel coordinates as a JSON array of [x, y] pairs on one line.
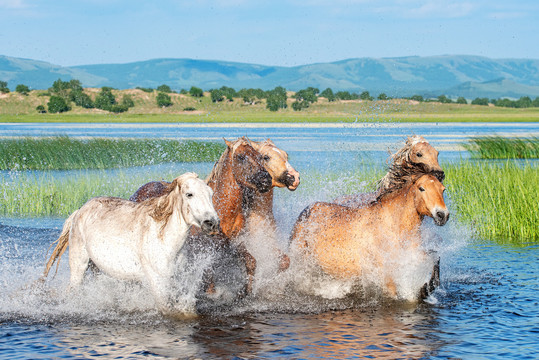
[[236, 176], [416, 155], [359, 243], [137, 241]]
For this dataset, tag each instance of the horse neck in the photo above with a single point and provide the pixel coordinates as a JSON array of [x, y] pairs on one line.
[[174, 233], [398, 211], [261, 207], [228, 199]]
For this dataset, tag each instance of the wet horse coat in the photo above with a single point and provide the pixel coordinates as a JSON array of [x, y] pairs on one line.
[[137, 241], [350, 243]]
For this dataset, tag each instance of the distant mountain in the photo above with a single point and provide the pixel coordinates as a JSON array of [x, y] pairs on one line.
[[452, 75]]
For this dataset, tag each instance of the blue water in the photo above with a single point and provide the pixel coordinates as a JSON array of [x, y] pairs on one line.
[[486, 308]]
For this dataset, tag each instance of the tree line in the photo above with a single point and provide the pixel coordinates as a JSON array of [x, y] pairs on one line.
[[64, 93]]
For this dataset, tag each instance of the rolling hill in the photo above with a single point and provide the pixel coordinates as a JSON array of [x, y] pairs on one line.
[[452, 75]]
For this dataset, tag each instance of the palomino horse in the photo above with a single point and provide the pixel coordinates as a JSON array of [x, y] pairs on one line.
[[260, 218], [355, 243], [137, 241], [416, 155], [236, 176]]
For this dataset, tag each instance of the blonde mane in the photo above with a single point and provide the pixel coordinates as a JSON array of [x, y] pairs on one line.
[[220, 164], [401, 170]]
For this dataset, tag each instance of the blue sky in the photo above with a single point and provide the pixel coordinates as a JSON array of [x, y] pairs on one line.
[[287, 33]]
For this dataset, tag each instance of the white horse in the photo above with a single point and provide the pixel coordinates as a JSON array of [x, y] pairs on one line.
[[137, 241]]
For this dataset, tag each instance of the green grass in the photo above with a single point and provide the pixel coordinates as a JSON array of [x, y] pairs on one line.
[[497, 147], [30, 195], [499, 200], [64, 153], [17, 108]]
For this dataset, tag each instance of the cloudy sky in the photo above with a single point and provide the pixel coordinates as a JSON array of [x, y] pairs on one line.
[[275, 32]]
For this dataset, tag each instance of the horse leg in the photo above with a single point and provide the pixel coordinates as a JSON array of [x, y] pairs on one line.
[[250, 267], [434, 281], [159, 288], [284, 261], [391, 287], [78, 263]]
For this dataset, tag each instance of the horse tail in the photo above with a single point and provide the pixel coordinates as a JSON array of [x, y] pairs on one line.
[[61, 246]]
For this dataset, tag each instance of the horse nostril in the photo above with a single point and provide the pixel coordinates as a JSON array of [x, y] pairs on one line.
[[209, 224], [440, 215]]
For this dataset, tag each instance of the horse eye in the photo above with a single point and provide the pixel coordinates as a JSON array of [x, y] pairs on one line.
[[266, 157], [419, 155], [189, 195], [421, 188]]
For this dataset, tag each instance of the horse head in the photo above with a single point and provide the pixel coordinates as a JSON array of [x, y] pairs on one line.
[[248, 166], [421, 154], [196, 202], [429, 198], [276, 163]]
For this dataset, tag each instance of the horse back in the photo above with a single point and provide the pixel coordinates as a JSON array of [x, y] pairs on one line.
[[149, 190]]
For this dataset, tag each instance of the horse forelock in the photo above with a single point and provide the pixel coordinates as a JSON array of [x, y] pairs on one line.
[[229, 152]]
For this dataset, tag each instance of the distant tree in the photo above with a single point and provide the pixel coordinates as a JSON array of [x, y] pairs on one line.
[[365, 96], [461, 100], [196, 92], [57, 104], [41, 109], [276, 99], [127, 100], [184, 92], [524, 102], [148, 90], [382, 96], [80, 98], [535, 102], [164, 88], [163, 100], [300, 105], [118, 108], [328, 94], [60, 88], [22, 89], [216, 95], [75, 85], [344, 95], [105, 99], [417, 98], [480, 101], [308, 95], [3, 87], [444, 99], [189, 108]]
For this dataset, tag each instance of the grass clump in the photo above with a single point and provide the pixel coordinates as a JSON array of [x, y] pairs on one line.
[[64, 153], [498, 147], [499, 200]]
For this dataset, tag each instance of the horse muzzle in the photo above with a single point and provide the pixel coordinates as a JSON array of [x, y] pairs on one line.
[[440, 217], [210, 226], [262, 180], [438, 174], [290, 180]]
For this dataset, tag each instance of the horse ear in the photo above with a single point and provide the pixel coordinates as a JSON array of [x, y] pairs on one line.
[[228, 143], [269, 142]]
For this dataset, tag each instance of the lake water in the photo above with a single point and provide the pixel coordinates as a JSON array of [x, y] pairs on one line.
[[485, 308]]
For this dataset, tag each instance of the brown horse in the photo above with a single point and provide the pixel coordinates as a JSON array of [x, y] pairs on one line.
[[372, 243], [416, 155], [260, 218], [236, 177]]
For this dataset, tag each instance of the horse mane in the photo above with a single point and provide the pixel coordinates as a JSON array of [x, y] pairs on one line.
[[219, 165], [162, 207], [401, 170]]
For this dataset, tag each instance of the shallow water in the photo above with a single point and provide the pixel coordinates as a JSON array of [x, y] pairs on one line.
[[485, 308]]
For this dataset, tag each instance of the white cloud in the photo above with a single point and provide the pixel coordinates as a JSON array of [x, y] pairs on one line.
[[13, 4]]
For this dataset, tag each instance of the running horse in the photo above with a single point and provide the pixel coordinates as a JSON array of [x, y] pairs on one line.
[[416, 155], [235, 178], [136, 241], [376, 240]]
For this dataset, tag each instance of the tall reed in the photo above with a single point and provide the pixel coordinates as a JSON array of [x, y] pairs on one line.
[[498, 147], [499, 200], [64, 153]]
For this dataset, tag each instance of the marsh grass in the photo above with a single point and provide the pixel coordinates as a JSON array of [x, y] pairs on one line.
[[499, 200], [64, 153], [498, 147]]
